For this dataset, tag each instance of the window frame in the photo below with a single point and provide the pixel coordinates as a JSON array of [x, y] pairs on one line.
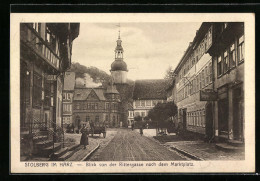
[[220, 65], [37, 89], [232, 55], [242, 45]]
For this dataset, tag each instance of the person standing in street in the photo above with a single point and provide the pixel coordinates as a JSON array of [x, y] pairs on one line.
[[141, 130], [132, 126], [84, 136]]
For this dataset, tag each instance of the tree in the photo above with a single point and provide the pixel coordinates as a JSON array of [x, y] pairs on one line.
[[146, 118], [169, 75], [138, 118], [161, 112]]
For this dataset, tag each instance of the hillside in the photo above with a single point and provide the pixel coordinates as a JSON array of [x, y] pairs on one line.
[[96, 74]]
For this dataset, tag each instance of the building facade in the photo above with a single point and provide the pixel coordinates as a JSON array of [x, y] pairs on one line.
[[146, 94], [228, 55], [45, 55], [96, 105], [213, 62], [68, 93], [194, 74]]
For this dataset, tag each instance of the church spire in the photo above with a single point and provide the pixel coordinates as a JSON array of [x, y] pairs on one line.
[[119, 32], [119, 49]]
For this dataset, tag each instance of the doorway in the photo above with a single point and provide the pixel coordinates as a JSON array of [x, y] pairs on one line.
[[184, 118], [209, 120], [223, 112], [238, 114]]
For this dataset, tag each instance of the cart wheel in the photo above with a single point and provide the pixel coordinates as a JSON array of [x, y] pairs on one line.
[[104, 134]]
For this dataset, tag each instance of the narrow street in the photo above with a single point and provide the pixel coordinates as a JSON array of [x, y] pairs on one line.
[[128, 145]]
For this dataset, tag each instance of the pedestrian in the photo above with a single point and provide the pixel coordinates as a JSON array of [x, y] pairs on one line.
[[141, 130], [132, 126], [84, 136], [73, 128]]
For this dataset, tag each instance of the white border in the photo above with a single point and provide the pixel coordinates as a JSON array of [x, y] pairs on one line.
[[247, 165]]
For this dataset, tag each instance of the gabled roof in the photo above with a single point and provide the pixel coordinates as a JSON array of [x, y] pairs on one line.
[[150, 89], [81, 94], [100, 94]]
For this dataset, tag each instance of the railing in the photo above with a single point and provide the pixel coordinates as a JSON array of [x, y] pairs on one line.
[[54, 133], [33, 40]]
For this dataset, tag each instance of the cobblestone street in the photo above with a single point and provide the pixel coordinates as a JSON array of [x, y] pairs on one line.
[[94, 142], [128, 145]]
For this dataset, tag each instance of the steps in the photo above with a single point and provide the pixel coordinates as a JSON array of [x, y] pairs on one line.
[[231, 146], [44, 147], [236, 143], [63, 155]]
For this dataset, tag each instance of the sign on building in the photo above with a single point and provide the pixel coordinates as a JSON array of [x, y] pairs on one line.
[[208, 95]]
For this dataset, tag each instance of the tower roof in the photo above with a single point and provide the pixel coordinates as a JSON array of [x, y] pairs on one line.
[[118, 64]]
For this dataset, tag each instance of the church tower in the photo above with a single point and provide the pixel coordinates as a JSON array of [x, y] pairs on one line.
[[119, 79], [119, 67]]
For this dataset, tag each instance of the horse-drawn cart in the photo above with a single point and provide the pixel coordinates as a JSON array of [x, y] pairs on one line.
[[98, 128]]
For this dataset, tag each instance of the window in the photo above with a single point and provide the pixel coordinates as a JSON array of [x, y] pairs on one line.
[[137, 114], [225, 62], [106, 117], [203, 118], [220, 66], [137, 103], [209, 37], [64, 96], [210, 72], [143, 114], [87, 118], [97, 119], [96, 105], [47, 93], [200, 81], [197, 83], [77, 106], [198, 118], [107, 105], [37, 89], [68, 96], [206, 76], [37, 27], [154, 102], [88, 106], [92, 105], [142, 103], [241, 49], [194, 85], [232, 56], [203, 78], [191, 87], [148, 102]]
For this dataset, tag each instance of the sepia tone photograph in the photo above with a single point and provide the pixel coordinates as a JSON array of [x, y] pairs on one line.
[[129, 92]]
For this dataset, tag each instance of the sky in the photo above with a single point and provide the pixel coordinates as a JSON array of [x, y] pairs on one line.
[[149, 48]]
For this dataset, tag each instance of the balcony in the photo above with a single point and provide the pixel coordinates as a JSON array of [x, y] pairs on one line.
[[33, 40]]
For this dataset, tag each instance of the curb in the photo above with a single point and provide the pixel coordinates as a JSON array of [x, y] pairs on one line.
[[90, 153], [186, 153]]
